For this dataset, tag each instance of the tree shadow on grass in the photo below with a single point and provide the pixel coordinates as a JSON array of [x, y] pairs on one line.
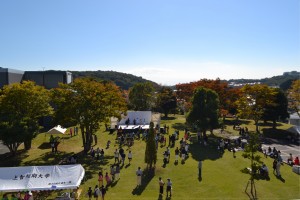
[[208, 152], [179, 126], [148, 175], [276, 133], [49, 158], [9, 160], [168, 118], [45, 145]]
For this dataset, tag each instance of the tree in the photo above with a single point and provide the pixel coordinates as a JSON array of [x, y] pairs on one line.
[[277, 110], [141, 96], [166, 100], [227, 95], [87, 103], [294, 96], [22, 105], [250, 152], [254, 99], [151, 153], [205, 110]]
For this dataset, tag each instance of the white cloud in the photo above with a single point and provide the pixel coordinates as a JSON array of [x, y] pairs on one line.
[[170, 74], [183, 72]]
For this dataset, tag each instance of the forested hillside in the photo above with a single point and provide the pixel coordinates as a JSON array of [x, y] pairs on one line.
[[282, 81], [123, 80]]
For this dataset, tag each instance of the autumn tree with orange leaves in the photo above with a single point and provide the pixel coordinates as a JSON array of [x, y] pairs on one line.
[[227, 95]]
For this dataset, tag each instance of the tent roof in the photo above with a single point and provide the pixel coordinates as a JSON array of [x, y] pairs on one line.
[[57, 130], [34, 178]]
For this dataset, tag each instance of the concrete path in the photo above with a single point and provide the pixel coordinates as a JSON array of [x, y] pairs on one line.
[[284, 146]]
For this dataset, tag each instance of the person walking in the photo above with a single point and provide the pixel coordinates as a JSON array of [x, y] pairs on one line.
[[279, 161], [90, 193], [103, 191], [139, 174], [169, 187], [100, 178], [176, 155], [117, 171], [129, 156], [200, 168], [116, 155], [97, 192], [161, 186]]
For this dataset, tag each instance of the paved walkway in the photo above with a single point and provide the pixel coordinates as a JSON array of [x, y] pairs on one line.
[[284, 146], [3, 148]]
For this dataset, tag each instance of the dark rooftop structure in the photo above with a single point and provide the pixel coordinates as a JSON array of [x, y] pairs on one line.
[[9, 76], [48, 79]]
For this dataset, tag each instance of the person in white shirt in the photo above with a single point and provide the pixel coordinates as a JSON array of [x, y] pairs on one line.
[[139, 174], [129, 156]]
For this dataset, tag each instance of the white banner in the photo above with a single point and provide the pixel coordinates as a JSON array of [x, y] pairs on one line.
[[34, 178]]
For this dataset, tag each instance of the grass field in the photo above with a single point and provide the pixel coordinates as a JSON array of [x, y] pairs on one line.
[[222, 177]]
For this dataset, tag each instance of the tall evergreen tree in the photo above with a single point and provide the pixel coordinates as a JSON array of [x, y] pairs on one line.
[[151, 153], [205, 110]]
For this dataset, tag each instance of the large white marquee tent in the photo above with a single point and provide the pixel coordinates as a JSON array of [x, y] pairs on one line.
[[36, 178]]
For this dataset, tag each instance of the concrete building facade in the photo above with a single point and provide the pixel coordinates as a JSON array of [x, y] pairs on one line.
[[48, 79], [10, 76]]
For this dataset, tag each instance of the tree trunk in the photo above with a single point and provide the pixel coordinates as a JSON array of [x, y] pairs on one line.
[[83, 136], [256, 126], [13, 148], [27, 144], [88, 141], [274, 124]]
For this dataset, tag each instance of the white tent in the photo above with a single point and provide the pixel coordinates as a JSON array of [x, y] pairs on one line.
[[35, 178], [57, 130]]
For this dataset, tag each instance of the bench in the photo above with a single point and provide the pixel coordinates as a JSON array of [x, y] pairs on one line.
[[296, 169]]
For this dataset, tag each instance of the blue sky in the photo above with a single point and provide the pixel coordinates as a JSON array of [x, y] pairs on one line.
[[167, 41]]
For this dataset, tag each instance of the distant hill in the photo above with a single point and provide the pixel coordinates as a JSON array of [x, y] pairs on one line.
[[282, 81], [123, 80]]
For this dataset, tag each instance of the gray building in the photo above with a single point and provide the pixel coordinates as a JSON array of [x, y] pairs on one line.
[[9, 76], [48, 79]]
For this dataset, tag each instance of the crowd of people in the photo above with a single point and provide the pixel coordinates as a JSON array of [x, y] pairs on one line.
[[105, 179]]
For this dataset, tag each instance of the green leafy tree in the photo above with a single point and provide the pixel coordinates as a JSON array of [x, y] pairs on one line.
[[250, 152], [87, 103], [151, 153], [277, 110], [141, 96], [294, 97], [166, 100], [253, 101], [22, 105], [205, 110]]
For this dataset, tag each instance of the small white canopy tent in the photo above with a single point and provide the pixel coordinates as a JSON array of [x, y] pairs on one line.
[[57, 130], [35, 178]]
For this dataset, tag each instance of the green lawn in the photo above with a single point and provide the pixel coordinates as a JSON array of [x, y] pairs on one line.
[[222, 176]]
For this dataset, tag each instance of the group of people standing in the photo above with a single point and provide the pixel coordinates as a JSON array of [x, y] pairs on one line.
[[97, 192], [162, 184]]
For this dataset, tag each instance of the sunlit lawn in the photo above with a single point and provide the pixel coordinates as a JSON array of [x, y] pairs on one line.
[[222, 176]]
